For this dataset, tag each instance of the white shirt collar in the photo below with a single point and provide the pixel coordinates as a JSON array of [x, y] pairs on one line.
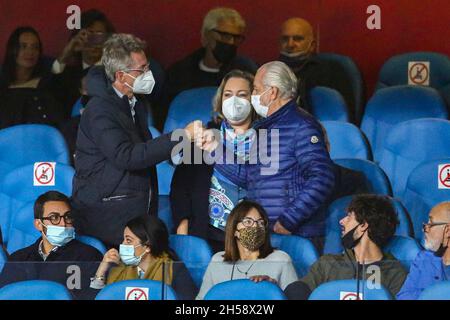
[[132, 101], [41, 251], [204, 68], [86, 66]]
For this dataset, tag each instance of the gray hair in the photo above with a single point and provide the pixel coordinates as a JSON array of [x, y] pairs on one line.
[[279, 75], [117, 53], [213, 17]]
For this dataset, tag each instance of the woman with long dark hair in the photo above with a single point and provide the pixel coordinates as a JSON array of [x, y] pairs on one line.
[[26, 89]]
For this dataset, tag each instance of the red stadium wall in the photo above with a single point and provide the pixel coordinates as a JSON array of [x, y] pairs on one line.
[[172, 27]]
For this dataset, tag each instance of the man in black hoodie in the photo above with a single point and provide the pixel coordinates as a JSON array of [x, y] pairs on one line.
[[115, 157]]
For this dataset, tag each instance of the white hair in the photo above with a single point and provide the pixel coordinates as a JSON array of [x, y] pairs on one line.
[[117, 53], [213, 17], [279, 75]]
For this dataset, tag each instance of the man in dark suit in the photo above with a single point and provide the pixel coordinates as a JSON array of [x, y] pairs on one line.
[[298, 48], [115, 157], [221, 35]]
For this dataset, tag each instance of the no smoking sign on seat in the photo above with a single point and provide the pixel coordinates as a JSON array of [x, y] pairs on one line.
[[44, 174]]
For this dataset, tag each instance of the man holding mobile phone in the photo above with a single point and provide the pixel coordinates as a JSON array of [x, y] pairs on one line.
[[83, 51]]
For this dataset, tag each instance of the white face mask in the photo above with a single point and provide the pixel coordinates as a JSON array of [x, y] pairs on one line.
[[127, 254], [58, 236], [236, 109], [293, 54], [143, 84], [298, 54], [259, 108]]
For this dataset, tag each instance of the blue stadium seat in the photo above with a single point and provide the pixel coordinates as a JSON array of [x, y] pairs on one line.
[[245, 289], [339, 289], [22, 232], [410, 143], [422, 193], [394, 72], [165, 170], [24, 144], [378, 182], [194, 252], [404, 249], [336, 211], [190, 105], [93, 242], [393, 105], [353, 74], [35, 290], [346, 141], [155, 133], [328, 104], [17, 188], [301, 250], [118, 291], [439, 291], [76, 109], [3, 259]]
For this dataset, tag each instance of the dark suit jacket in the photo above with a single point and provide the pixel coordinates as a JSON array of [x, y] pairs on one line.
[[115, 163]]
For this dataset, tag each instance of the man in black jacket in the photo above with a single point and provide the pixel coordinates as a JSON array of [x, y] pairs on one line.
[[115, 157], [298, 49], [56, 256], [222, 33], [83, 51]]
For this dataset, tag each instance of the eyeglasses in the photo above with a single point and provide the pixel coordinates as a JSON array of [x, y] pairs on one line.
[[249, 222], [55, 218], [146, 68], [433, 224], [226, 36]]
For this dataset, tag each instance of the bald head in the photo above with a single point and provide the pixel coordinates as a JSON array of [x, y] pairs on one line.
[[441, 212], [297, 35]]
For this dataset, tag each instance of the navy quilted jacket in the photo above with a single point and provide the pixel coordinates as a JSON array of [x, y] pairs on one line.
[[296, 194]]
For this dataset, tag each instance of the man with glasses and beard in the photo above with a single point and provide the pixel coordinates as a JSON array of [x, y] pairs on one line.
[[56, 252], [433, 264]]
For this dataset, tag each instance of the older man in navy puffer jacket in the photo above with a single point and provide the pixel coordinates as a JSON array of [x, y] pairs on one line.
[[295, 195]]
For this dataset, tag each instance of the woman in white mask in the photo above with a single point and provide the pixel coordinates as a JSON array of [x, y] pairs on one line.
[[201, 197], [145, 254]]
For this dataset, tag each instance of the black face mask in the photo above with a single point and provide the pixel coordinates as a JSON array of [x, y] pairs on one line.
[[84, 100], [348, 241], [224, 52], [295, 63]]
